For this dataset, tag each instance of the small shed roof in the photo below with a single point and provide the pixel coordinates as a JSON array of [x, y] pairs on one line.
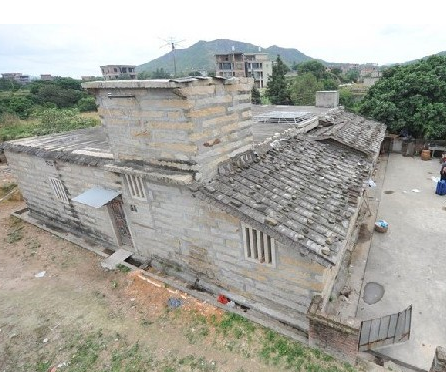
[[96, 197]]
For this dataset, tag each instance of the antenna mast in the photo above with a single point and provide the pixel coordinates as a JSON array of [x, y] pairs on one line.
[[172, 43]]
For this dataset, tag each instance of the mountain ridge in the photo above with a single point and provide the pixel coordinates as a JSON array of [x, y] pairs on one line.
[[201, 56]]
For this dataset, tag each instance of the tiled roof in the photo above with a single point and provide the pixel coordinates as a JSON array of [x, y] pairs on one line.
[[301, 191], [352, 130]]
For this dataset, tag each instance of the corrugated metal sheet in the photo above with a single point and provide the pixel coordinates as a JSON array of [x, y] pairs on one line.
[[96, 197]]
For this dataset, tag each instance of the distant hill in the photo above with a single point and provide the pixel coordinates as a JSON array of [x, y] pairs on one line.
[[201, 56], [416, 60]]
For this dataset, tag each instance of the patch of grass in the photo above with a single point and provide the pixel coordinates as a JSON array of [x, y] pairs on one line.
[[237, 325], [122, 268], [43, 366], [15, 235], [7, 188], [32, 244], [280, 350], [131, 358], [87, 352], [114, 284]]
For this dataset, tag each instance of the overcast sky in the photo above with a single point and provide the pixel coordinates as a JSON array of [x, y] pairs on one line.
[[97, 32]]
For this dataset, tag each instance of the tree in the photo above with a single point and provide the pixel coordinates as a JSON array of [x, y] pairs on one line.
[[160, 74], [59, 96], [277, 89], [411, 97], [329, 80], [255, 96], [351, 75], [347, 99], [8, 84], [314, 67], [303, 89]]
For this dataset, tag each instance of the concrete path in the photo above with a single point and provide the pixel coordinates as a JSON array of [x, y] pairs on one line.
[[410, 259]]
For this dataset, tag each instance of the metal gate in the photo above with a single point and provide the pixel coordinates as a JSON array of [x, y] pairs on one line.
[[119, 222], [387, 330]]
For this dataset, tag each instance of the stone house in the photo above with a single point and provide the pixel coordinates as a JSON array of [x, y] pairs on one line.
[[174, 177]]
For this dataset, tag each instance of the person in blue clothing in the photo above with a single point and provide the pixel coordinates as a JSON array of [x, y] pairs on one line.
[[443, 172]]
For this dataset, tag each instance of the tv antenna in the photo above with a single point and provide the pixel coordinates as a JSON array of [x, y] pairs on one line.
[[172, 43]]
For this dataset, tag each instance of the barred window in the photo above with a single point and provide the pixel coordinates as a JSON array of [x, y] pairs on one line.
[[259, 247], [136, 186], [59, 189]]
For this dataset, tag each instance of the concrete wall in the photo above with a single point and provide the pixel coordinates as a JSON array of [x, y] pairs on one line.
[[33, 175], [191, 126], [327, 98], [190, 239]]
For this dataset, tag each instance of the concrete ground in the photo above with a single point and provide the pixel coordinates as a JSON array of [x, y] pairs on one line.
[[409, 260]]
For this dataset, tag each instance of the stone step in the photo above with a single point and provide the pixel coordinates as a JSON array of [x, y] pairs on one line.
[[115, 259]]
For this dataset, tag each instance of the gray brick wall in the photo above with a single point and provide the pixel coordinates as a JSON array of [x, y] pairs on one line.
[[33, 175], [189, 239]]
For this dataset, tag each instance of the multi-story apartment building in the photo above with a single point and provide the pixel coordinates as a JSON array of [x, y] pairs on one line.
[[116, 72], [47, 77], [255, 65], [17, 76]]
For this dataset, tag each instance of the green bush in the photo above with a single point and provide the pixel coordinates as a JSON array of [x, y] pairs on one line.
[[55, 121], [86, 104], [17, 104]]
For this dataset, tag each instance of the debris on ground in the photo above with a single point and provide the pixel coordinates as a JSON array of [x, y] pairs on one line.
[[174, 303], [381, 226], [40, 275], [222, 299]]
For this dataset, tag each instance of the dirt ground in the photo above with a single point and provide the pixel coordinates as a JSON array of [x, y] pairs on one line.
[[60, 311]]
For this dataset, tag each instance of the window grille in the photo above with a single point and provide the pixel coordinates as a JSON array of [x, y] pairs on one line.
[[259, 247], [58, 189], [136, 186]]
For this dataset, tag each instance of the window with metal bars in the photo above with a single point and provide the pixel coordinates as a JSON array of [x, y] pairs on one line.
[[135, 185], [259, 247], [58, 189]]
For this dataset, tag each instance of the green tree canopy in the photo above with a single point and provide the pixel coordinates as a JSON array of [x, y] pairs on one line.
[[412, 97], [303, 89], [52, 93], [330, 80], [314, 67], [277, 89], [351, 75]]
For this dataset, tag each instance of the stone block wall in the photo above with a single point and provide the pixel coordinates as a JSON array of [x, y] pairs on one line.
[[335, 335], [33, 175], [439, 362], [188, 125], [189, 239]]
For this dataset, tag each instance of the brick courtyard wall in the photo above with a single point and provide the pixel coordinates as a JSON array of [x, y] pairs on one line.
[[338, 337], [439, 362]]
